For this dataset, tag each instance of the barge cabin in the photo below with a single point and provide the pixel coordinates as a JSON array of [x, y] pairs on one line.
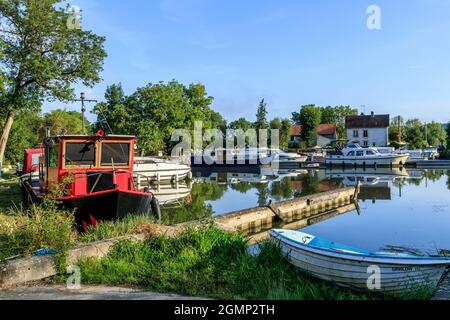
[[96, 173]]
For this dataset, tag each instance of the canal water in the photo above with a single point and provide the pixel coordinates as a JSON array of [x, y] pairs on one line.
[[400, 210]]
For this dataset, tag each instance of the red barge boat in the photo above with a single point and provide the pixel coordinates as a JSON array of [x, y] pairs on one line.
[[99, 169]]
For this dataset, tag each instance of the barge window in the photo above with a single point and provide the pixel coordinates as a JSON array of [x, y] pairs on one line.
[[117, 154], [80, 154]]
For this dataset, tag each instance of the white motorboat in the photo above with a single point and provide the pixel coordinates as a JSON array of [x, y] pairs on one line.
[[354, 154], [286, 158], [160, 170]]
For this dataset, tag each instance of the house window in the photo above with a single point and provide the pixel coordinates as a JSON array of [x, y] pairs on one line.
[[355, 134], [366, 133], [366, 143]]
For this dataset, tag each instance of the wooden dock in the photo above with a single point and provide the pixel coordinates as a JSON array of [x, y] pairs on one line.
[[292, 214]]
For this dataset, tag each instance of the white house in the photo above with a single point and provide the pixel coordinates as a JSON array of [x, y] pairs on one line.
[[368, 130]]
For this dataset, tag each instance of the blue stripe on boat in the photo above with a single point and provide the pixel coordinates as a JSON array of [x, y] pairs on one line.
[[311, 241]]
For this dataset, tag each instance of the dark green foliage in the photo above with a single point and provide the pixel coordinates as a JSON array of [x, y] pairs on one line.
[[261, 116]]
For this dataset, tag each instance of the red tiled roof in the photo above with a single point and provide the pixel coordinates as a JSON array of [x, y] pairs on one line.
[[327, 129], [296, 130]]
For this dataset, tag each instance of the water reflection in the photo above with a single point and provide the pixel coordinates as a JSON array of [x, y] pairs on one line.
[[400, 209]]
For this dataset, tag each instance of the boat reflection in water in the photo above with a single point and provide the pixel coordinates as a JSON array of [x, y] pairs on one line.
[[375, 184], [174, 195], [262, 175]]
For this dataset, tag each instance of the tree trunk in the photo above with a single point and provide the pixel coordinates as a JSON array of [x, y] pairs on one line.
[[6, 130]]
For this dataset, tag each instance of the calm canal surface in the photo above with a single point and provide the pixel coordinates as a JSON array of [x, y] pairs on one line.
[[405, 210]]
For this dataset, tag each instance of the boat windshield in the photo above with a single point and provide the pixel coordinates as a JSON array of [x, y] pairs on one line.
[[371, 152], [115, 154], [80, 154]]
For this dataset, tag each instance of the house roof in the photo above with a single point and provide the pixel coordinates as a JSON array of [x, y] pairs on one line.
[[296, 130], [328, 129], [369, 121]]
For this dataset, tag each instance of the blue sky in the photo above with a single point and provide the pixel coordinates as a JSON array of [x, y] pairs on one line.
[[289, 52]]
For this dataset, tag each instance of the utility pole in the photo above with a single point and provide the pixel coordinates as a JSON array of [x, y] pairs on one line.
[[83, 109]]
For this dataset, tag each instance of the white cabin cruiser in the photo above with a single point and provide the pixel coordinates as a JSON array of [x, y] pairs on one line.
[[160, 170], [282, 157], [354, 154]]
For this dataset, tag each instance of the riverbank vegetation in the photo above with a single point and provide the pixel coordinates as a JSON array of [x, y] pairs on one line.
[[211, 263]]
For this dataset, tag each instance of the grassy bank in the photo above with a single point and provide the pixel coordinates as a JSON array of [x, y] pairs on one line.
[[10, 194], [208, 262]]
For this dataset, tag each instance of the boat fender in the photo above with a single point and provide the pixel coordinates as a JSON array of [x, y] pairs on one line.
[[156, 209]]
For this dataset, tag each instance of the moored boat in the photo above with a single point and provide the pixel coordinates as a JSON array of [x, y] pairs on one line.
[[286, 159], [160, 170], [354, 154], [96, 174], [385, 272]]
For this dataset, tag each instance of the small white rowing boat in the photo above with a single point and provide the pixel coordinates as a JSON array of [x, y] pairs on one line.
[[357, 269]]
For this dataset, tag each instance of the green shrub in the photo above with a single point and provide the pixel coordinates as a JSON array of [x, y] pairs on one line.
[[25, 231]]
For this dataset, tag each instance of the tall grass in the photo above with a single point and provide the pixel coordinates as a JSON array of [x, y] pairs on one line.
[[25, 231], [10, 194], [112, 229], [208, 262]]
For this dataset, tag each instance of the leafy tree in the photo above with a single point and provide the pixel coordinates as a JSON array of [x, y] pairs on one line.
[[41, 57], [62, 119], [23, 135], [240, 123], [415, 134], [261, 116], [115, 114], [397, 130], [340, 113], [448, 135], [328, 115], [436, 135], [153, 112], [310, 117], [296, 117], [218, 122], [284, 126]]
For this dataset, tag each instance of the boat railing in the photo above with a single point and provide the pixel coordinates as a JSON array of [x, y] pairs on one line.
[[113, 173]]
